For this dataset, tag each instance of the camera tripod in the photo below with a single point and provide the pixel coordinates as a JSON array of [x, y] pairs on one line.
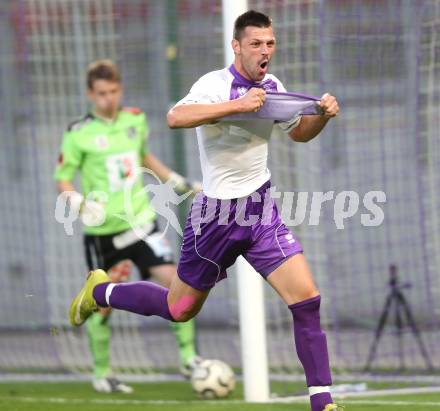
[[396, 299]]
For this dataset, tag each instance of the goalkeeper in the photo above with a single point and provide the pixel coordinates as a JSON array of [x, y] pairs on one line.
[[107, 146]]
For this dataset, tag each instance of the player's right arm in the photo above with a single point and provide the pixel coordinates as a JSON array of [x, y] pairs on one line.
[[187, 115], [68, 165], [63, 186], [67, 189]]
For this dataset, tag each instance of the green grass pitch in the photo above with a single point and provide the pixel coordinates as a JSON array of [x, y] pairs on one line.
[[173, 396]]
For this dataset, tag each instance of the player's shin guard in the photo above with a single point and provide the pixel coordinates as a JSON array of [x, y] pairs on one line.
[[311, 346], [98, 331], [141, 297]]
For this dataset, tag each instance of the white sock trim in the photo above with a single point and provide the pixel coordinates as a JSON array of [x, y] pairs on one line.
[[318, 390], [108, 292]]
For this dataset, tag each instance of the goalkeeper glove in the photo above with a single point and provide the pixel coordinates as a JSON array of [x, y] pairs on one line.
[[182, 185], [92, 213]]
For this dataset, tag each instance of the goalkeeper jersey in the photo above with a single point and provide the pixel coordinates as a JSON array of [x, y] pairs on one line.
[[108, 156]]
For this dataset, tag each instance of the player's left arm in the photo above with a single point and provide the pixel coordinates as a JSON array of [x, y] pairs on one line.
[[310, 126], [160, 169], [164, 173]]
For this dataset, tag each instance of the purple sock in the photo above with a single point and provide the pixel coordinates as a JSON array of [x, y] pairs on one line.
[[140, 297], [311, 346], [319, 401]]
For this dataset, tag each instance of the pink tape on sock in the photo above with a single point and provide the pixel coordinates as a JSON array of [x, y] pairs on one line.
[[181, 307]]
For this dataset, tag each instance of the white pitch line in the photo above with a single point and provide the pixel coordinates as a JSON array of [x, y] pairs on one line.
[[394, 391], [364, 394], [60, 400], [347, 397], [397, 403]]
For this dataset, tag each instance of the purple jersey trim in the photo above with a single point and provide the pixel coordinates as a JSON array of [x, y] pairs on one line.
[[239, 77], [240, 85], [297, 95]]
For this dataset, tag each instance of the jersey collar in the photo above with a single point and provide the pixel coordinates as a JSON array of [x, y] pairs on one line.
[[240, 85], [246, 82], [106, 121]]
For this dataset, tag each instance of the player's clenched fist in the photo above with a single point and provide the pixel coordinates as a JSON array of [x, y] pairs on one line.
[[329, 105], [253, 100]]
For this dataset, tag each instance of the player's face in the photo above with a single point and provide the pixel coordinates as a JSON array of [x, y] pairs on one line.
[[106, 97], [254, 51]]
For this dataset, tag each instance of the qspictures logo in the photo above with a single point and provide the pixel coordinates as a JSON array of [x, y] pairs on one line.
[[296, 208]]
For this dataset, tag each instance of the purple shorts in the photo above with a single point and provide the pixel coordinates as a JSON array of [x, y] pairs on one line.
[[218, 231]]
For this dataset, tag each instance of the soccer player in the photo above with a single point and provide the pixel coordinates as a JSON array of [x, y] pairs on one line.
[[107, 146], [236, 179]]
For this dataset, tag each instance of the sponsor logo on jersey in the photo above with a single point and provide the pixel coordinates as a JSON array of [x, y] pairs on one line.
[[242, 91], [121, 170], [131, 133], [270, 86], [101, 142]]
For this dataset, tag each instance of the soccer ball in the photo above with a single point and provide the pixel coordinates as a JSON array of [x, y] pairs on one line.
[[213, 379]]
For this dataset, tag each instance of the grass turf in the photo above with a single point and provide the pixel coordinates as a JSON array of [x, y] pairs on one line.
[[174, 396]]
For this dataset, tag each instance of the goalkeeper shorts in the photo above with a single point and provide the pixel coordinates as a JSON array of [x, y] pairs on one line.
[[105, 251]]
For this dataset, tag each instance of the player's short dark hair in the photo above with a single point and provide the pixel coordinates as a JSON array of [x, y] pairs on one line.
[[250, 18], [102, 70]]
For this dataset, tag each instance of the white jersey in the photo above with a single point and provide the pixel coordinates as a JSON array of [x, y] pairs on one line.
[[233, 154]]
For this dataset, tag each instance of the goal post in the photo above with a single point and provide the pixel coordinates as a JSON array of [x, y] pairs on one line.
[[250, 284]]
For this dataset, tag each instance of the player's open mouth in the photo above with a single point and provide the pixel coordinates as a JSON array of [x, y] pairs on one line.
[[262, 67]]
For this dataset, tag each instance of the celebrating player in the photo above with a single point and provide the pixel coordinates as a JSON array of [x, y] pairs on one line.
[[235, 177], [106, 147]]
